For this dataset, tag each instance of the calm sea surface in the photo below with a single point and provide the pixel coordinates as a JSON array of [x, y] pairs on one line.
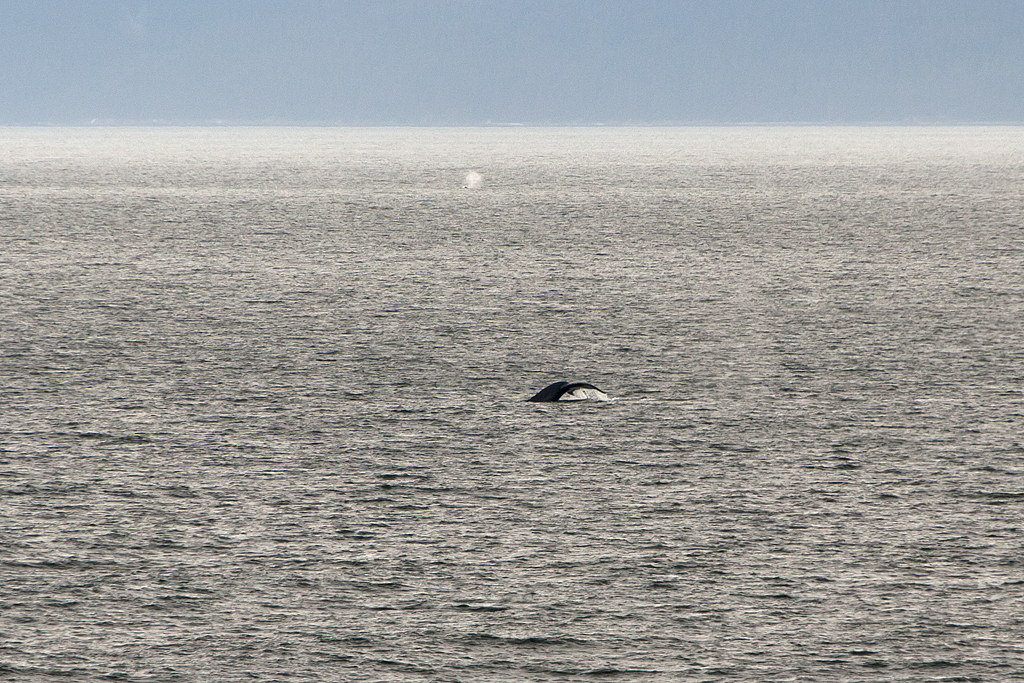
[[262, 404]]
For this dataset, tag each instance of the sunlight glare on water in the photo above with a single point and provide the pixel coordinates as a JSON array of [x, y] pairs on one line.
[[263, 404]]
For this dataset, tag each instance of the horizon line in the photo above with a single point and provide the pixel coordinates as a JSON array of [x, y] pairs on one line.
[[220, 123]]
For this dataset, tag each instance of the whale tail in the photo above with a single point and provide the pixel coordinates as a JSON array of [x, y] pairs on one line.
[[569, 391]]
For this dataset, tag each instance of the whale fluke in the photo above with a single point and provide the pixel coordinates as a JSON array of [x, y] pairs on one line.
[[568, 391]]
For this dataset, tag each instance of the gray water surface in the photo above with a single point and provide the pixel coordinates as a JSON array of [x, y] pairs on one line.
[[262, 404]]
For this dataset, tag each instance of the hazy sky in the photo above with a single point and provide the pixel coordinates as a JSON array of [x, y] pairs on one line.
[[537, 62]]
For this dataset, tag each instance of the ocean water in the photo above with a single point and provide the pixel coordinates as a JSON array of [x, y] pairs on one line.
[[263, 404]]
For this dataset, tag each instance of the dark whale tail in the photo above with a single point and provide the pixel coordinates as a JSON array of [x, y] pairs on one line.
[[568, 391]]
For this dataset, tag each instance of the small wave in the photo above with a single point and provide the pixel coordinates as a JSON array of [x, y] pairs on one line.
[[526, 640], [406, 666], [464, 607], [733, 448]]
